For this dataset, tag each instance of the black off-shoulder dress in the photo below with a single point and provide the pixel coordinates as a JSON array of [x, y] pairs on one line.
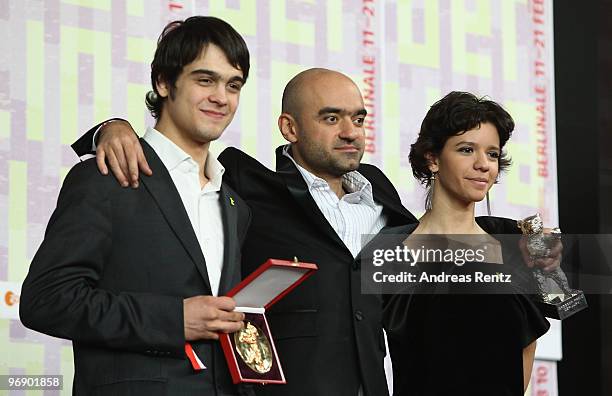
[[457, 344]]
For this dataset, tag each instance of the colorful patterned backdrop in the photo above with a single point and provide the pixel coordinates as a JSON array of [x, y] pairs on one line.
[[66, 65]]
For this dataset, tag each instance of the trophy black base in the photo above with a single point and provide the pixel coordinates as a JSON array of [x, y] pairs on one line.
[[563, 309]]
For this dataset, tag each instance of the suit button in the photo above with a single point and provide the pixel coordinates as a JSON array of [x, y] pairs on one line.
[[358, 315], [355, 265]]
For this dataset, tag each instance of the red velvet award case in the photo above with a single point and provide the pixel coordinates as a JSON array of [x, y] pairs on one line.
[[253, 296]]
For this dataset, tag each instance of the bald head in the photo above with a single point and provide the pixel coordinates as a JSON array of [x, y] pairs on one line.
[[323, 118], [300, 88]]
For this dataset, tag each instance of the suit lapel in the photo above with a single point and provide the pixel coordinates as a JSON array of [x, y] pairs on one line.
[[393, 208], [388, 237], [299, 190], [229, 214], [163, 190]]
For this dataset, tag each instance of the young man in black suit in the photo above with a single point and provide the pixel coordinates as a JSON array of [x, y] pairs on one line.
[[130, 275]]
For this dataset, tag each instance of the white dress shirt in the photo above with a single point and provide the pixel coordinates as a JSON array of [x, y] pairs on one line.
[[355, 216], [202, 204]]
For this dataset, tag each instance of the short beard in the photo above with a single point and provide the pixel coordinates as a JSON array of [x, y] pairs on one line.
[[340, 170]]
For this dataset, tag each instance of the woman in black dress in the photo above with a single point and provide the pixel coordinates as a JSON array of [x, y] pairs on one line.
[[453, 343]]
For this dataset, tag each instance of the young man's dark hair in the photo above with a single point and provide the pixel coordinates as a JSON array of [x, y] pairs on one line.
[[181, 43]]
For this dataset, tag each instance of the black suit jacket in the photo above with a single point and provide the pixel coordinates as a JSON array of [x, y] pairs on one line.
[[111, 275], [327, 333]]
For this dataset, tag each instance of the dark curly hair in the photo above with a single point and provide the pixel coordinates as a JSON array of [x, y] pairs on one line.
[[455, 114], [181, 43]]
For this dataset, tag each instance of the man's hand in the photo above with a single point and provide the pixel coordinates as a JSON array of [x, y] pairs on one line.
[[205, 316], [547, 264], [119, 145]]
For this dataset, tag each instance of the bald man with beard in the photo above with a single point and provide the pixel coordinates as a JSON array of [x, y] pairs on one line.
[[316, 206]]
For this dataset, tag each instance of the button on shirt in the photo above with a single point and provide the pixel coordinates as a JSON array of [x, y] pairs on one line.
[[353, 216], [202, 204]]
